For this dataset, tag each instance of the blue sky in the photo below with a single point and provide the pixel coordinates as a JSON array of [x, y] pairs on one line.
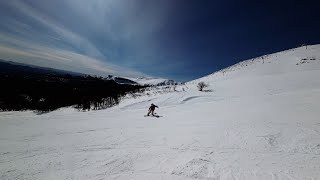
[[175, 39]]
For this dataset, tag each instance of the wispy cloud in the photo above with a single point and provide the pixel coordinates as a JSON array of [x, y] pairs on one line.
[[66, 34], [96, 36], [59, 47], [29, 53]]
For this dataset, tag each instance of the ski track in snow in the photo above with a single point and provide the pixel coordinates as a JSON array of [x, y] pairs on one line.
[[259, 121]]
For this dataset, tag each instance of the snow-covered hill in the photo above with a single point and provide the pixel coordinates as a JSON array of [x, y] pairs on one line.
[[151, 81], [121, 80], [304, 58], [258, 119]]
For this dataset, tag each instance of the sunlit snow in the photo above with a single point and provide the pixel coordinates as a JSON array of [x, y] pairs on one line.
[[258, 119]]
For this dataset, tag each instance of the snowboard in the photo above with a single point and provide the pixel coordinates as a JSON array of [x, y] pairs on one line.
[[157, 116]]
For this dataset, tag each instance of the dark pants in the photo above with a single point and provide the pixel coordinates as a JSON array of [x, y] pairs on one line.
[[150, 111]]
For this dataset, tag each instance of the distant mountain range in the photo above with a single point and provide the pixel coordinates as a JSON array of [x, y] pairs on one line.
[[151, 81], [20, 68], [10, 67]]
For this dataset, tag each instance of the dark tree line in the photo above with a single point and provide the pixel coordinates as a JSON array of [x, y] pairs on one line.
[[47, 92]]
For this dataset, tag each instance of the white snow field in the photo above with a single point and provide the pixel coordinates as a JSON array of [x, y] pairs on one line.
[[259, 119]]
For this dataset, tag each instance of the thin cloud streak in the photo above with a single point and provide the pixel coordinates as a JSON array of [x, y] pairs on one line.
[[60, 47], [58, 58], [68, 35]]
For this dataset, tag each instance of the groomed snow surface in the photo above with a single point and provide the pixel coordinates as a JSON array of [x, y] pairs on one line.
[[258, 119]]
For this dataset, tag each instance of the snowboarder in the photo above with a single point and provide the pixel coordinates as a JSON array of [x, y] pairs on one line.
[[151, 109]]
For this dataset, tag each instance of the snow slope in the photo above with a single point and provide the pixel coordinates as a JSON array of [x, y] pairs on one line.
[[258, 119]]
